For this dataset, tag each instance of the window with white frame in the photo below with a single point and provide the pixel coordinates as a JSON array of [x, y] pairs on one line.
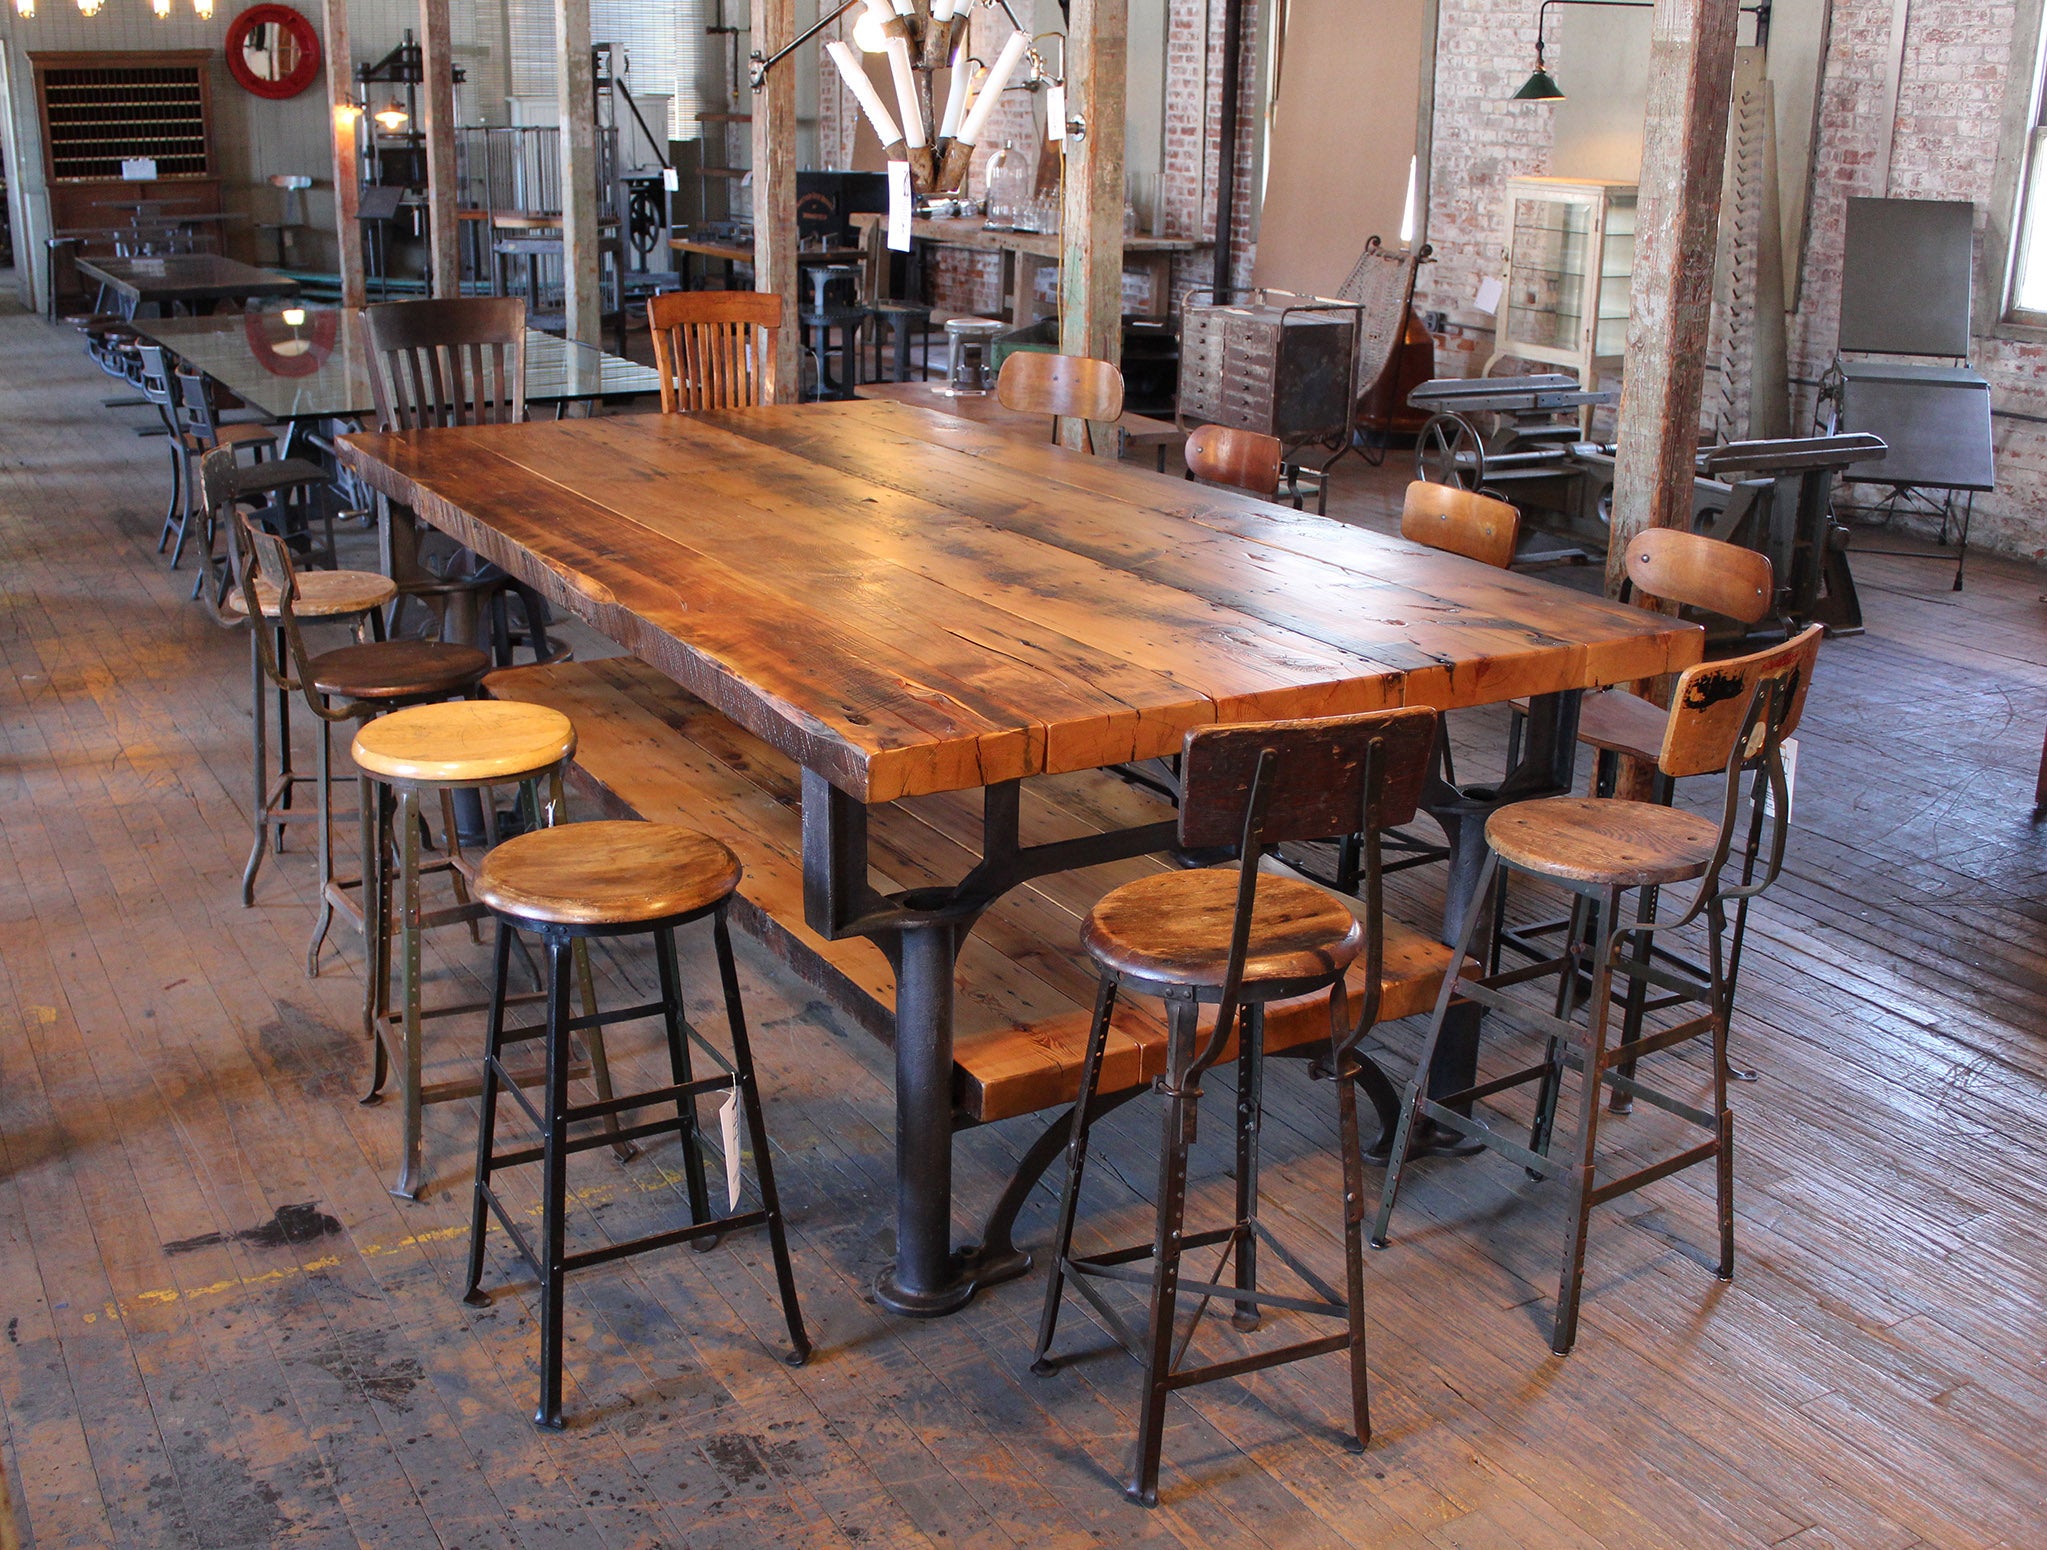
[[2016, 254]]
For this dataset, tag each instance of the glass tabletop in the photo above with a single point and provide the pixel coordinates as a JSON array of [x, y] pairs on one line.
[[317, 368]]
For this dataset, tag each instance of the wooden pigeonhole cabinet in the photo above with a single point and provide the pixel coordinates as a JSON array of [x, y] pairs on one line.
[[1278, 365]]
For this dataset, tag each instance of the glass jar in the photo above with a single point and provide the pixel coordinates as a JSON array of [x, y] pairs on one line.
[[1009, 188]]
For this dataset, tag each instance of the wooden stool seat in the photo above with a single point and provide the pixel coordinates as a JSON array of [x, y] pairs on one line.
[[464, 740], [610, 873], [397, 670], [1604, 840], [1173, 928], [322, 594]]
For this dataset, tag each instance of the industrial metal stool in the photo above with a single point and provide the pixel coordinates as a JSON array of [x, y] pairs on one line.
[[450, 746], [269, 589], [1730, 716], [906, 324], [611, 879], [1238, 938], [968, 345]]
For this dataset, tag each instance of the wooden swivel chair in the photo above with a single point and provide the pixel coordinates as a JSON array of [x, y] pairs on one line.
[[1459, 521], [715, 349], [1076, 386]]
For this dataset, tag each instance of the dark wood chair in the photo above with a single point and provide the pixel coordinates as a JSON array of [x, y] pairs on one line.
[[614, 879], [1731, 717], [1252, 461], [442, 362], [715, 349], [1236, 938], [1070, 386]]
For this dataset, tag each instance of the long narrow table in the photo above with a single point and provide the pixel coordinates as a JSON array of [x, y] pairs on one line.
[[151, 286], [906, 603]]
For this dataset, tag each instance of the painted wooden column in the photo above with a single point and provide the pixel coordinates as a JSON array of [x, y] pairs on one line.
[[576, 102], [1677, 223], [437, 116], [774, 185], [344, 116], [1091, 226]]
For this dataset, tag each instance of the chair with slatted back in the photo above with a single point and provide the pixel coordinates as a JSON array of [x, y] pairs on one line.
[[442, 362], [1729, 717], [715, 349], [1251, 460], [1062, 386], [1237, 938]]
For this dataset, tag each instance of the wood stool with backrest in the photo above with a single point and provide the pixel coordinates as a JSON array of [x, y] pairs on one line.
[[441, 362], [1731, 717], [1069, 386], [1253, 461], [353, 598], [715, 349], [1708, 576], [348, 683], [444, 747], [1236, 938], [615, 879]]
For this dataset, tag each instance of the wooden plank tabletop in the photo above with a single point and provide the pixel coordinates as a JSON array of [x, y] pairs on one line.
[[906, 602], [1138, 430]]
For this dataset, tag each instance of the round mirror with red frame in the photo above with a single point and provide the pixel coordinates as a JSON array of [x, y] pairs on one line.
[[273, 51]]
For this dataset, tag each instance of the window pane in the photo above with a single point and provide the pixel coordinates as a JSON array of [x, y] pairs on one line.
[[2029, 294]]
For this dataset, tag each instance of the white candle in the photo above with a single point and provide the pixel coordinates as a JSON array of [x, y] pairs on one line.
[[998, 78], [906, 8], [862, 88], [941, 10], [906, 90], [955, 93], [882, 10]]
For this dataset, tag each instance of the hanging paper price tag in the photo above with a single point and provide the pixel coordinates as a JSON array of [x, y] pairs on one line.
[[899, 204], [728, 1132]]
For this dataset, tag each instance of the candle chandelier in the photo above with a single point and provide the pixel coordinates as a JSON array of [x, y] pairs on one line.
[[921, 37]]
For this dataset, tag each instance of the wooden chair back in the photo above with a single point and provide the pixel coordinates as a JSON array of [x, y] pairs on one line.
[[1244, 459], [1710, 727], [1258, 786], [447, 361], [1034, 382], [1315, 788], [1701, 572], [1460, 522], [715, 349]]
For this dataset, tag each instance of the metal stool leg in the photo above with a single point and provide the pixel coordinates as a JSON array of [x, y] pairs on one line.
[[680, 1073], [1076, 1161], [1250, 1109], [1143, 1485], [258, 739], [1578, 1212], [406, 825], [373, 808], [324, 805], [1345, 1065], [756, 1125], [487, 1122], [554, 1184]]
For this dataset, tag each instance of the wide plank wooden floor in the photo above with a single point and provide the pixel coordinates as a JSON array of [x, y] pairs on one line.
[[221, 1331]]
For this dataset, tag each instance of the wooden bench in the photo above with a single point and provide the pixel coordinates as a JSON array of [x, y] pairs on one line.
[[648, 748]]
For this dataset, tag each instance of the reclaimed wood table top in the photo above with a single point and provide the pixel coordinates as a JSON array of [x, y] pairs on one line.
[[1138, 430], [906, 602], [186, 277]]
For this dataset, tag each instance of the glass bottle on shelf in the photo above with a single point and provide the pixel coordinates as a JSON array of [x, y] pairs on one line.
[[1009, 188]]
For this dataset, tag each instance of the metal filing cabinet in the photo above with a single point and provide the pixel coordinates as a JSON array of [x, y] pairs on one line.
[[1278, 364]]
